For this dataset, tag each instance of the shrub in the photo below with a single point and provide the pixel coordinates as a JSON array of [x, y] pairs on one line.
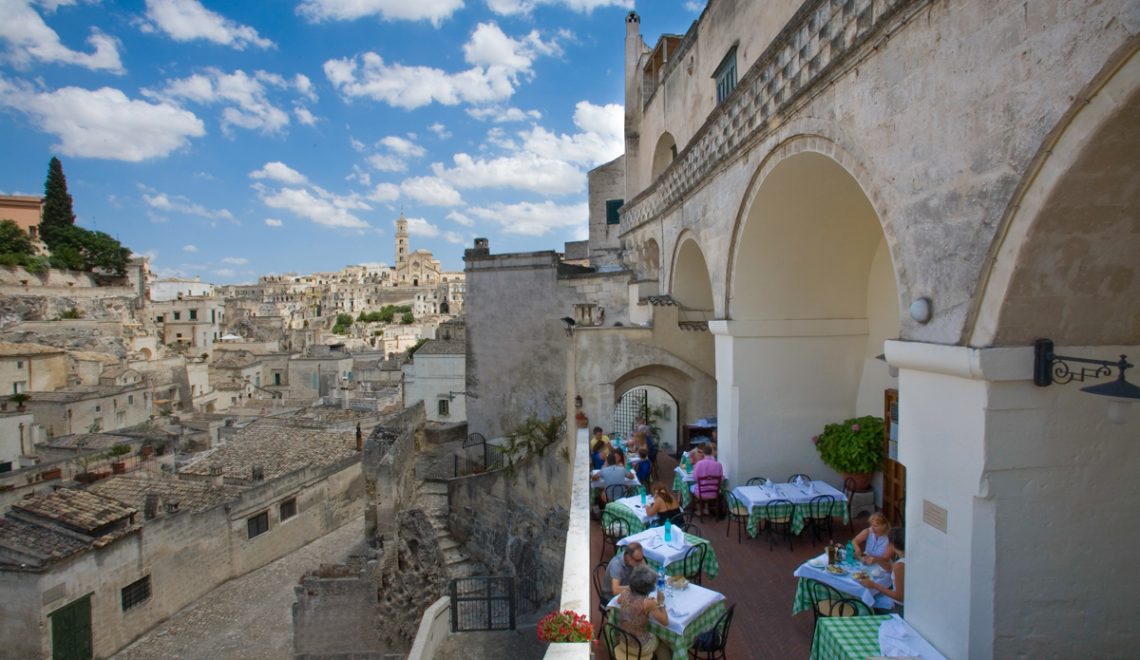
[[853, 446]]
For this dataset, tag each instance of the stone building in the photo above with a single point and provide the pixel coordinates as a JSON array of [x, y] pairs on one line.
[[97, 568], [435, 375], [417, 268], [190, 321]]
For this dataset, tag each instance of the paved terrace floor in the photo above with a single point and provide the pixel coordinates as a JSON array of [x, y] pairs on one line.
[[758, 581]]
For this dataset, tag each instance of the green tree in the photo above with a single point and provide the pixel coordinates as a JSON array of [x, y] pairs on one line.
[[13, 240], [58, 210], [407, 318]]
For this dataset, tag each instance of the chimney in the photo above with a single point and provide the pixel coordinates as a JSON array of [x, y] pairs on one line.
[[359, 438], [216, 476], [150, 509]]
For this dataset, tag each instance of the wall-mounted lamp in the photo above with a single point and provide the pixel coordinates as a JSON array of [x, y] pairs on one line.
[[1049, 368], [921, 310], [570, 323], [578, 401]]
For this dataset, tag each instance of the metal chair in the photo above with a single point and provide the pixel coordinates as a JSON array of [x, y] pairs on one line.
[[819, 516], [614, 492], [710, 645], [599, 575], [758, 481], [618, 637], [849, 493], [827, 601], [691, 528], [778, 516], [614, 529], [708, 494], [693, 564], [737, 513]]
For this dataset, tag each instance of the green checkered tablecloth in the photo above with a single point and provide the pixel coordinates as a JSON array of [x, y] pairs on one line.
[[802, 601], [710, 566], [847, 637], [799, 516], [680, 486], [681, 643], [625, 513]]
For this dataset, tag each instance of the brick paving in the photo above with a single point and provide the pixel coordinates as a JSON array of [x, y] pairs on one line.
[[249, 617], [758, 581]]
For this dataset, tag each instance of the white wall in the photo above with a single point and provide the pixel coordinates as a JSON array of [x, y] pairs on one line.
[[429, 377]]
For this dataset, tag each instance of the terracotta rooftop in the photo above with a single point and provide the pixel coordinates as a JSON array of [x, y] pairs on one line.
[[277, 449], [77, 509], [26, 544], [191, 495]]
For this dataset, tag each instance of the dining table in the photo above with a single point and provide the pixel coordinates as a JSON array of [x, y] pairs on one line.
[[632, 511], [669, 553], [861, 637], [692, 611], [816, 569], [597, 486], [756, 498]]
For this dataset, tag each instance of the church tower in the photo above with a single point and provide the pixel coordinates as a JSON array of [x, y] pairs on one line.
[[401, 241]]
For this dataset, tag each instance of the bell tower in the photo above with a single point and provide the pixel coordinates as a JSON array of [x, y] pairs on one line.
[[401, 241]]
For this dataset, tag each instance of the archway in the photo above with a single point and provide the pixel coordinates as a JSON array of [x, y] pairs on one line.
[[691, 287], [663, 154], [812, 296], [657, 405]]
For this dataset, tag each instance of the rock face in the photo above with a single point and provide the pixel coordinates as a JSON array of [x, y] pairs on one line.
[[419, 580], [110, 307]]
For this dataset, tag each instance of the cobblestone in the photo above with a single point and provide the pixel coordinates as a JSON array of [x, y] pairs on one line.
[[247, 618]]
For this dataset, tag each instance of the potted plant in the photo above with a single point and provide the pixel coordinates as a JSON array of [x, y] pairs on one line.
[[20, 398], [565, 626], [853, 447]]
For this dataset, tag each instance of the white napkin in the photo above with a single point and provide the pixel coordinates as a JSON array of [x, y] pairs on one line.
[[894, 639], [675, 613]]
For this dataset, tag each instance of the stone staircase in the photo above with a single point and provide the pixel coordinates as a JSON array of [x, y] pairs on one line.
[[432, 498]]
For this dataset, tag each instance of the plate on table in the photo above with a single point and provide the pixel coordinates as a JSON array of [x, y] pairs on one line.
[[835, 570], [818, 562], [678, 582], [860, 575]]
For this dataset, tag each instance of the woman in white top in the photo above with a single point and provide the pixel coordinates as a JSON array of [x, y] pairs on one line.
[[872, 545], [898, 570]]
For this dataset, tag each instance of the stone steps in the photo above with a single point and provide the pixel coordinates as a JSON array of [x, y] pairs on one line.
[[431, 496]]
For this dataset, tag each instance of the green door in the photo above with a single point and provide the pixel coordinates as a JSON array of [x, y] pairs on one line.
[[71, 631]]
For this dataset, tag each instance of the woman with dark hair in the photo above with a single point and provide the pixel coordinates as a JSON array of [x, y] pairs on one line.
[[636, 609], [898, 569], [664, 506]]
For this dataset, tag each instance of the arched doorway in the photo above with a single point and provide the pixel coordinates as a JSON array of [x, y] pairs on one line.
[[656, 405], [812, 297], [663, 154]]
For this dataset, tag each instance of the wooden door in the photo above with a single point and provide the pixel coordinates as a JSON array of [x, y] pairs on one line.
[[894, 473], [71, 631]]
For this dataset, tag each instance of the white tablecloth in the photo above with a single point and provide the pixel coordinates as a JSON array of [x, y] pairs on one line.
[[634, 504], [751, 496], [845, 583], [898, 639], [655, 546], [685, 605]]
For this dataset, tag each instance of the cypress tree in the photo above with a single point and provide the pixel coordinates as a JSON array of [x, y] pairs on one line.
[[57, 202]]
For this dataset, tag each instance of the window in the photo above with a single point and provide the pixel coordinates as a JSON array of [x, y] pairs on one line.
[[444, 407], [98, 408], [726, 75], [159, 318], [193, 315], [19, 364], [258, 524], [289, 508], [612, 206], [97, 425], [6, 466], [177, 316], [130, 399], [136, 593]]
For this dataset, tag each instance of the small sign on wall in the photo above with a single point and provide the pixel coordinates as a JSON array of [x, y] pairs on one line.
[[934, 515]]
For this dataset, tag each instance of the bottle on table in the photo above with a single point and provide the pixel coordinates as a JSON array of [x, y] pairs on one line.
[[661, 584], [850, 554], [668, 529]]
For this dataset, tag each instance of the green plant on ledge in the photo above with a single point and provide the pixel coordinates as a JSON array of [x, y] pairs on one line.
[[853, 446]]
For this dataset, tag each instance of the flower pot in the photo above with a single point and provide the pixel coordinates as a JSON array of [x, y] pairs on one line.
[[862, 479]]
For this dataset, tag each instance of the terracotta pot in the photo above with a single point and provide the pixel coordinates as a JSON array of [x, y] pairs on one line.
[[862, 479]]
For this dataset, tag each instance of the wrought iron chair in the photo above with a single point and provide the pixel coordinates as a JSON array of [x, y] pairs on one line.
[[827, 601], [599, 576], [737, 513], [819, 516], [710, 645], [778, 516], [617, 637], [758, 481], [708, 494], [691, 528], [614, 529], [693, 564], [614, 492], [849, 493]]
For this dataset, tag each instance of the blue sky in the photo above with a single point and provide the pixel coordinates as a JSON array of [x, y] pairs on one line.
[[230, 140]]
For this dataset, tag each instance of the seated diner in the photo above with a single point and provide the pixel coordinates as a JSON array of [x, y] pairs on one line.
[[665, 507], [620, 568], [872, 545], [636, 608], [898, 570], [611, 475]]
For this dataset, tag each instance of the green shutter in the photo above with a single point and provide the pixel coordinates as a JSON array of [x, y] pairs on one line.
[[612, 207]]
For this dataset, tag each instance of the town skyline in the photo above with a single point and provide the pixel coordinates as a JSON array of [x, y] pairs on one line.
[[229, 143]]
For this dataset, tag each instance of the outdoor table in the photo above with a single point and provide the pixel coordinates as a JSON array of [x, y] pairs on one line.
[[596, 486], [692, 611], [814, 569], [860, 637], [658, 552], [630, 510], [756, 497], [682, 480]]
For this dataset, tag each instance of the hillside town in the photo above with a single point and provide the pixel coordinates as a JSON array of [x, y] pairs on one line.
[[850, 327]]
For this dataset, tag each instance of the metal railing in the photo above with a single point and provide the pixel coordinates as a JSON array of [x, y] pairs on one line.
[[482, 603]]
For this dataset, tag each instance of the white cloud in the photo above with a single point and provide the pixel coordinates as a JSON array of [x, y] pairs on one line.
[[104, 123], [499, 114], [454, 238], [278, 171], [440, 131], [601, 138], [499, 62], [513, 7], [388, 10], [304, 116], [357, 145], [402, 147], [386, 163], [29, 40], [273, 222], [235, 261], [385, 192], [190, 248], [695, 5], [459, 218], [180, 204], [421, 227], [188, 20], [224, 272], [431, 190], [521, 171], [246, 97], [533, 219], [316, 205]]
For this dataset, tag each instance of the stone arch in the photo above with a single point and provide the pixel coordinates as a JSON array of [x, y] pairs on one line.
[[663, 154], [682, 387], [690, 283], [1067, 262]]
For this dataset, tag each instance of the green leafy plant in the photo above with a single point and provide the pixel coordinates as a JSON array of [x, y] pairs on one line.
[[852, 446]]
